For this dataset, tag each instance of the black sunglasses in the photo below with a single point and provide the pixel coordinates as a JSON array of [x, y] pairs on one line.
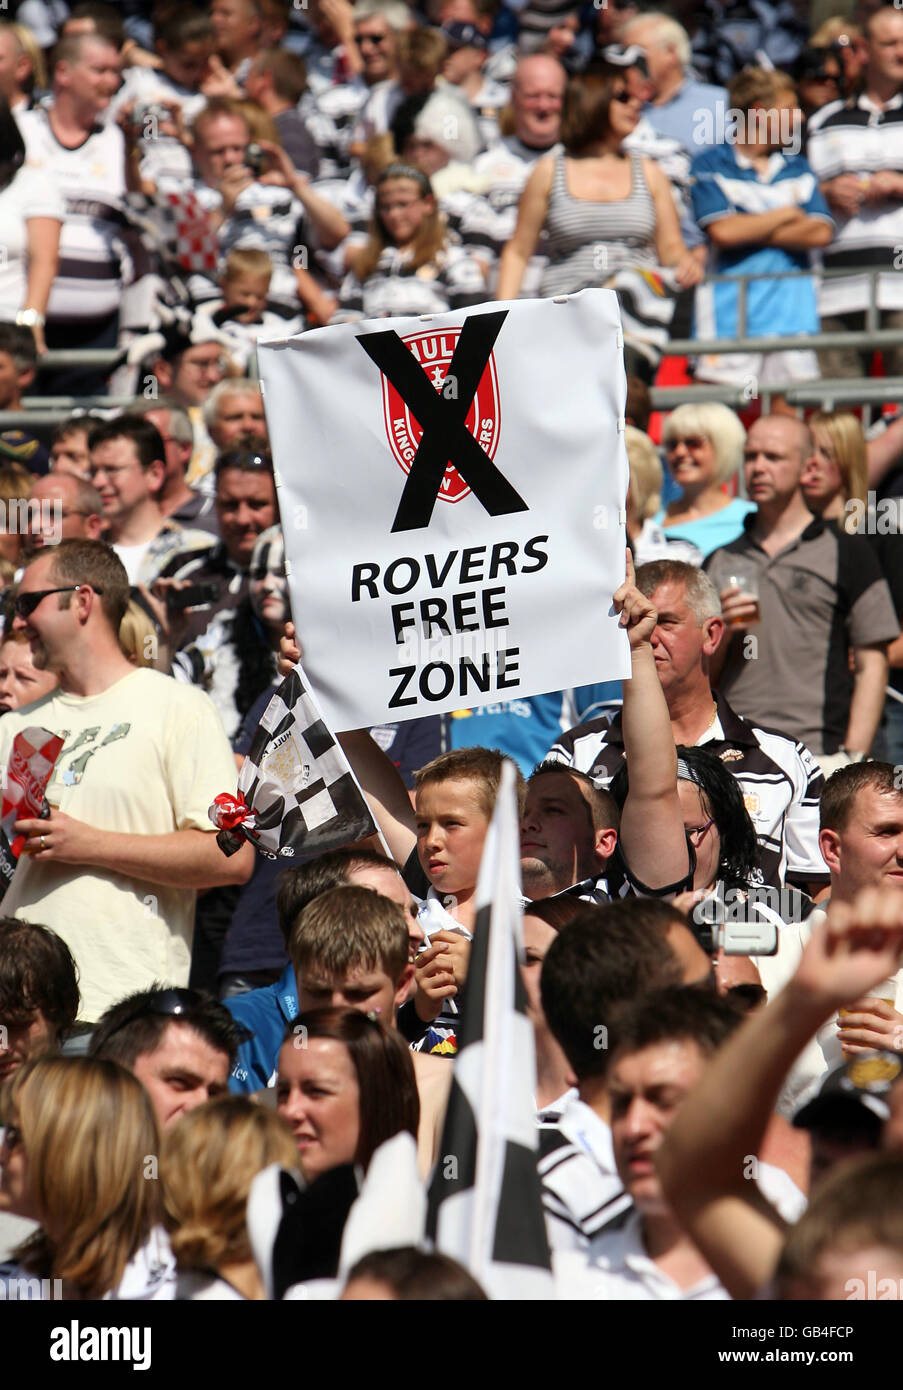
[[27, 603], [623, 97]]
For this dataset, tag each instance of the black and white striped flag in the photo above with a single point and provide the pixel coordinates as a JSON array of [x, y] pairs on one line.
[[295, 782], [484, 1205]]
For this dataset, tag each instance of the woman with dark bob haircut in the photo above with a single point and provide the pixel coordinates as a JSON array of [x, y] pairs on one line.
[[606, 212], [345, 1085]]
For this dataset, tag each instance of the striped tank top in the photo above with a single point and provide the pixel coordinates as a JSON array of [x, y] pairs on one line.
[[589, 241]]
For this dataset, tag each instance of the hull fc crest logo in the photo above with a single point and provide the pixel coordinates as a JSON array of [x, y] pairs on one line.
[[443, 416], [434, 352]]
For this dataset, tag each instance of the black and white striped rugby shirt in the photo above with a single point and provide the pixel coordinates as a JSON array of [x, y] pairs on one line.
[[859, 137], [780, 778]]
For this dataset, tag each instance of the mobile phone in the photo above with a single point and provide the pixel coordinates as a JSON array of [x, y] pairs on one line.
[[194, 596], [254, 157]]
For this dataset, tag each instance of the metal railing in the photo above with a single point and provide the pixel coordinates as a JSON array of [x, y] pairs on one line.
[[816, 273], [827, 395], [43, 411]]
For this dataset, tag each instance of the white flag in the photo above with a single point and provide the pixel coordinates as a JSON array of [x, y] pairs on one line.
[[484, 1203]]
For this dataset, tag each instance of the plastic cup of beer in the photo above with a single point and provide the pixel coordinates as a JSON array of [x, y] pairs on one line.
[[887, 990], [747, 581]]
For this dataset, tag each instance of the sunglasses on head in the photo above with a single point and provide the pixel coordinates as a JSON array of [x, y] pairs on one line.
[[171, 1003], [27, 603], [240, 458]]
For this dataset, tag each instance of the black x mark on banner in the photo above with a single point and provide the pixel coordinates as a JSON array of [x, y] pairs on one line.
[[446, 438]]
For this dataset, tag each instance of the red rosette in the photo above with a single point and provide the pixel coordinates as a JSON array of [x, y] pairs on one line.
[[228, 811]]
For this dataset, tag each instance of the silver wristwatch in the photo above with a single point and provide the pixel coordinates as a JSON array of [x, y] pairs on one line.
[[30, 318]]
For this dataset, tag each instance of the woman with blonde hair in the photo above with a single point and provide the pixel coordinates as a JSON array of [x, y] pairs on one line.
[[207, 1164], [138, 636], [704, 444], [79, 1156], [836, 473], [647, 539]]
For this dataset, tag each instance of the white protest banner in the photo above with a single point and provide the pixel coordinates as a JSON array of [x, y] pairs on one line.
[[452, 491]]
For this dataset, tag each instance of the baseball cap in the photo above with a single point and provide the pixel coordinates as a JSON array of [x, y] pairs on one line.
[[464, 35], [853, 1084]]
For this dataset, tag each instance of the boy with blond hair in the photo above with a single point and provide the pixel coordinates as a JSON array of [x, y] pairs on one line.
[[244, 315]]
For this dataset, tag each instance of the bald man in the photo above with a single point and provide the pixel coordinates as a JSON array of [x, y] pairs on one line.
[[487, 224], [69, 508], [784, 660]]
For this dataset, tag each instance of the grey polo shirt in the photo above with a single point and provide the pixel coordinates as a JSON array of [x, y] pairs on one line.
[[820, 596]]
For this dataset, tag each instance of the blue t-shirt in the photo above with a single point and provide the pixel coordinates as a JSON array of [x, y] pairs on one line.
[[265, 1012], [526, 729], [726, 184], [710, 532]]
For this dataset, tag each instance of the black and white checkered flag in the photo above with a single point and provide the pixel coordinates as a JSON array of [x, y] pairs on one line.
[[296, 782], [484, 1206]]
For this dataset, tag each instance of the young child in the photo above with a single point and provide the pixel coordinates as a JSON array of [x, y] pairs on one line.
[[453, 802], [243, 314], [454, 799], [264, 1012], [760, 206]]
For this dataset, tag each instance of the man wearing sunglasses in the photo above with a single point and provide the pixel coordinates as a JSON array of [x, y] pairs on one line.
[[115, 867], [349, 71]]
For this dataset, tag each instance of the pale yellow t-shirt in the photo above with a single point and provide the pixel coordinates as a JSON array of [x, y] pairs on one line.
[[146, 757]]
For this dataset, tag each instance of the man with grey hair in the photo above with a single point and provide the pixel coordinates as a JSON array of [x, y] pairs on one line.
[[823, 604], [176, 499], [231, 408], [340, 113], [781, 780], [681, 107], [234, 408], [485, 223]]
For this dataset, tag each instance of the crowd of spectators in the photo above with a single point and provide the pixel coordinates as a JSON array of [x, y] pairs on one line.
[[181, 183]]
